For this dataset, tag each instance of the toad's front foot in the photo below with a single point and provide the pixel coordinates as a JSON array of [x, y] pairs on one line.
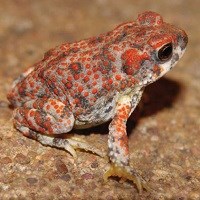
[[128, 173]]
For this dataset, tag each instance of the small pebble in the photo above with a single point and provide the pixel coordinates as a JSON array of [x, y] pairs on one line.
[[95, 164], [61, 167], [22, 159], [66, 177], [31, 180], [5, 160], [87, 176]]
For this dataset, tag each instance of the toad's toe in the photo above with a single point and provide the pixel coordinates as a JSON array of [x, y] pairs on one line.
[[127, 172]]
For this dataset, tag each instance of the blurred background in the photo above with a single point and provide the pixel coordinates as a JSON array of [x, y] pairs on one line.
[[165, 140]]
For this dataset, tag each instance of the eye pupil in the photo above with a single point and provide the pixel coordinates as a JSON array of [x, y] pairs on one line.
[[165, 53]]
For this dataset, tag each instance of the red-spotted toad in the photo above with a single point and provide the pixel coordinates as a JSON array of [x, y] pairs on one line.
[[86, 83]]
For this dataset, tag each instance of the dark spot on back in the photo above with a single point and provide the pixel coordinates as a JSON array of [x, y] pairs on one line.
[[75, 68]]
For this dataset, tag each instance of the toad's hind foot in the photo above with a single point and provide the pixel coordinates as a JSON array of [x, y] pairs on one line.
[[69, 144], [78, 143], [127, 173]]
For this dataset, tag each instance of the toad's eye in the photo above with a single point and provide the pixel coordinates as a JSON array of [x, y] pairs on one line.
[[165, 53]]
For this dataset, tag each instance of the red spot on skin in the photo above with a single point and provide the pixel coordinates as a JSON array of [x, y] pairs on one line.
[[76, 101], [81, 75], [56, 91], [48, 107], [118, 129], [72, 59], [96, 76], [56, 106], [75, 67], [86, 79], [32, 113], [52, 102], [20, 89], [32, 84], [95, 69], [80, 88], [104, 80], [118, 77], [107, 87], [60, 120], [60, 72], [94, 91], [114, 69], [92, 100], [58, 111], [129, 71], [69, 78], [105, 63], [156, 68], [123, 86], [104, 85], [77, 113], [104, 71], [116, 48], [69, 85], [83, 59], [38, 118], [110, 81], [89, 72], [76, 76], [47, 124], [41, 104], [87, 66], [64, 81], [94, 83], [86, 94]]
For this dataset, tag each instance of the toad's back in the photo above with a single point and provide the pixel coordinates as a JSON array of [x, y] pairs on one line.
[[78, 73]]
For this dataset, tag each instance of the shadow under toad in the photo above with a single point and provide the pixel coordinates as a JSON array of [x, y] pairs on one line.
[[157, 96]]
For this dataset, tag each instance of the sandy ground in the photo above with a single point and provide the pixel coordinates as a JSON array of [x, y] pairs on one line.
[[164, 137]]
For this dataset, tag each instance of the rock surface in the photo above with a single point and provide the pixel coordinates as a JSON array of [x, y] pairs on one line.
[[164, 132]]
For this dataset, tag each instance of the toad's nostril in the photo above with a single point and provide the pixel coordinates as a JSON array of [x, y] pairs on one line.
[[183, 40]]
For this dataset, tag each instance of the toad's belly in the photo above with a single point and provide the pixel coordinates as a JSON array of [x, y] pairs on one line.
[[101, 112]]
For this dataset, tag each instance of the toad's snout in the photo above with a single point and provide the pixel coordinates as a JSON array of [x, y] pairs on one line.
[[182, 40]]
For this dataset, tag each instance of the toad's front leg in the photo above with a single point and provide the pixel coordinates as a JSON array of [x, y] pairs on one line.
[[118, 143]]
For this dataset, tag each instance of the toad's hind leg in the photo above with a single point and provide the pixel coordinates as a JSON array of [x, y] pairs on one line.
[[41, 119]]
